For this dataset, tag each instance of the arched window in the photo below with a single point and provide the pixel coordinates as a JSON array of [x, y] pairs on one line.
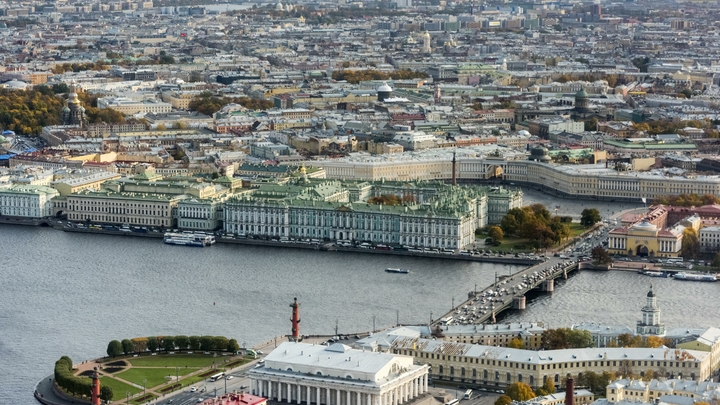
[[557, 378], [440, 370], [485, 374], [452, 370], [319, 373], [289, 369], [474, 373], [532, 381], [462, 371], [497, 375], [519, 377], [507, 377]]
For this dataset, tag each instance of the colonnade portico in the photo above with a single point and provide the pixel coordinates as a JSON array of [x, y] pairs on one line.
[[310, 391]]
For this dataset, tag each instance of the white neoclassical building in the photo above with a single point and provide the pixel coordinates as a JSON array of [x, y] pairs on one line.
[[337, 375], [27, 201]]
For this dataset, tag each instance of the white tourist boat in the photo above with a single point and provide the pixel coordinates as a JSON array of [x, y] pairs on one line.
[[694, 276], [189, 239], [395, 270]]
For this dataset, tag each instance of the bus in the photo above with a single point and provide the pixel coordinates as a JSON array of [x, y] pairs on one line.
[[468, 394], [452, 402], [251, 352], [217, 376]]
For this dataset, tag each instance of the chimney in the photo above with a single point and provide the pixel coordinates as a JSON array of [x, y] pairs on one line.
[[570, 392]]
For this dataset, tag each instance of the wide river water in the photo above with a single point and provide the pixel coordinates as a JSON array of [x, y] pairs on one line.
[[70, 294]]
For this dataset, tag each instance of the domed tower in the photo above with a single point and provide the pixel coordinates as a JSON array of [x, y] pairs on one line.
[[582, 101], [540, 154], [650, 323], [73, 113], [383, 92], [426, 43]]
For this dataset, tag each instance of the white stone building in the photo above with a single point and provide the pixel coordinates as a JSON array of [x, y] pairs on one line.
[[27, 201], [337, 375], [709, 238]]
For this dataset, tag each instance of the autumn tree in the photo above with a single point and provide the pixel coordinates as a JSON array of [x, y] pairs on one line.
[[690, 243], [547, 388], [520, 391], [654, 341], [516, 343], [600, 255], [503, 400], [496, 233]]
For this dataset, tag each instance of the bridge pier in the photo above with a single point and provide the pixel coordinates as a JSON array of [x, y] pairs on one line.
[[548, 285], [519, 302]]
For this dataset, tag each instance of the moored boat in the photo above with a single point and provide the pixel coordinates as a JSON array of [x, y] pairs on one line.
[[694, 277], [189, 239]]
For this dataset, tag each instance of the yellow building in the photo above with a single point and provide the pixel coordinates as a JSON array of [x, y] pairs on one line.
[[91, 182], [708, 341], [646, 239]]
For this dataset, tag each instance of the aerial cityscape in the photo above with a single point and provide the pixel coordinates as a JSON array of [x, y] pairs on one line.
[[394, 202]]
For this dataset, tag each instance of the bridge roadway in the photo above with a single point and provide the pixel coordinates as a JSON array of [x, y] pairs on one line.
[[508, 291]]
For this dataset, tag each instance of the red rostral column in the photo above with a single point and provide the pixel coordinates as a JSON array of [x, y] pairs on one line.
[[570, 392], [295, 320], [95, 387]]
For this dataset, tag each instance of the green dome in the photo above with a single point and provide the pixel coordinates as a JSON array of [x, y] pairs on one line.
[[581, 94]]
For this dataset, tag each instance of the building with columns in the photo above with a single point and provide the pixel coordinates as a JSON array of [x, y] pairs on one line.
[[337, 375]]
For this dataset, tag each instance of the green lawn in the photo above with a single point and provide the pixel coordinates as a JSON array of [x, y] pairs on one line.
[[154, 376], [509, 242], [119, 388], [176, 360]]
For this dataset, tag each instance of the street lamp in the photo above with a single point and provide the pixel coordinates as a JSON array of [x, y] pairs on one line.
[[177, 376], [144, 381], [127, 397]]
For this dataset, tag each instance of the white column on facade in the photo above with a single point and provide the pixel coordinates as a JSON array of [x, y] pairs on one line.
[[289, 391], [359, 400], [308, 394], [347, 395], [337, 397], [425, 383], [318, 396], [298, 393], [369, 399], [327, 398]]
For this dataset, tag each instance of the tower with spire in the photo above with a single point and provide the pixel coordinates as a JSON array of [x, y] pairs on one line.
[[650, 323]]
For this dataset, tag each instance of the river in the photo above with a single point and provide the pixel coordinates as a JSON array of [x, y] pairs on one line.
[[70, 294]]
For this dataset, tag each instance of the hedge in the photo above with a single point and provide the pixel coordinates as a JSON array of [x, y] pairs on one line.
[[66, 380]]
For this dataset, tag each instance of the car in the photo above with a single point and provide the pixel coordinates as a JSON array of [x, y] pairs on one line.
[[193, 389], [203, 389], [261, 361], [229, 377], [259, 352], [199, 400]]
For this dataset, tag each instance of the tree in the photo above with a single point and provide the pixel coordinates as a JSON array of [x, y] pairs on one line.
[[654, 341], [496, 233], [220, 342], [114, 348], [520, 392], [207, 343], [152, 343], [503, 400], [716, 260], [690, 243], [516, 343], [600, 255], [547, 388], [182, 342], [106, 393], [127, 346], [578, 339], [169, 343], [233, 345], [590, 216], [194, 342]]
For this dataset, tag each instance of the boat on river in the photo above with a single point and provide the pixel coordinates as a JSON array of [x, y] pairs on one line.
[[189, 239], [694, 277], [395, 270]]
